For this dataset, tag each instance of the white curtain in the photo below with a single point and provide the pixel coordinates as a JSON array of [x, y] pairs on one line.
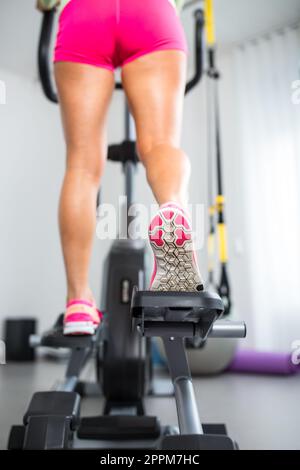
[[268, 133]]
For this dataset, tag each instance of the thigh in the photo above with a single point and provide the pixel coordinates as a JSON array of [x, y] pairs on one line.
[[154, 85], [84, 95]]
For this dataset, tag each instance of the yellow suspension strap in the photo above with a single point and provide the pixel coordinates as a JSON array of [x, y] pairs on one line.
[[209, 23], [222, 230], [219, 207]]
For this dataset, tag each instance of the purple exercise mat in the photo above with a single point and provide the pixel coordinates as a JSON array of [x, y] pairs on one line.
[[263, 363]]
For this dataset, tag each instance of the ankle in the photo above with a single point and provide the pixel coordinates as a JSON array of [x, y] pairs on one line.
[[80, 293], [172, 202], [176, 204]]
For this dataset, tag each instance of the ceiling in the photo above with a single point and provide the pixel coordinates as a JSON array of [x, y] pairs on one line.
[[237, 20]]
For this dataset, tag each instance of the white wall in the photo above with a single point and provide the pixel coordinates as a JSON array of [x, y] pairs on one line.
[[238, 20], [32, 163]]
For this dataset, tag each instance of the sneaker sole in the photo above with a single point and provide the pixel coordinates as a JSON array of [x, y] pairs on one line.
[[79, 328], [171, 242]]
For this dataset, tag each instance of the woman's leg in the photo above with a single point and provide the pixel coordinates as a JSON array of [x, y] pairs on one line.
[[84, 95], [155, 85]]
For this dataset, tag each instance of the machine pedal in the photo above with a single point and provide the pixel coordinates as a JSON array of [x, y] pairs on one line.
[[119, 428]]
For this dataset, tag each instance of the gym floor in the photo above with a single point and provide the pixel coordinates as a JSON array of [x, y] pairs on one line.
[[241, 401]]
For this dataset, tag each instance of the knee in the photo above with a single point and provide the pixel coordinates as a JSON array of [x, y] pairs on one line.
[[86, 162], [151, 155], [147, 148]]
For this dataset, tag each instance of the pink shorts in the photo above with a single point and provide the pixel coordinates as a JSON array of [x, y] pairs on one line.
[[111, 33]]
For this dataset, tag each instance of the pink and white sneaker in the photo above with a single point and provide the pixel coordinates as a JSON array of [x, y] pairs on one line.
[[81, 318], [175, 263]]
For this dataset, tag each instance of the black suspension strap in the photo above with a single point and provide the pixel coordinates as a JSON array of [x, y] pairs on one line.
[[217, 209]]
